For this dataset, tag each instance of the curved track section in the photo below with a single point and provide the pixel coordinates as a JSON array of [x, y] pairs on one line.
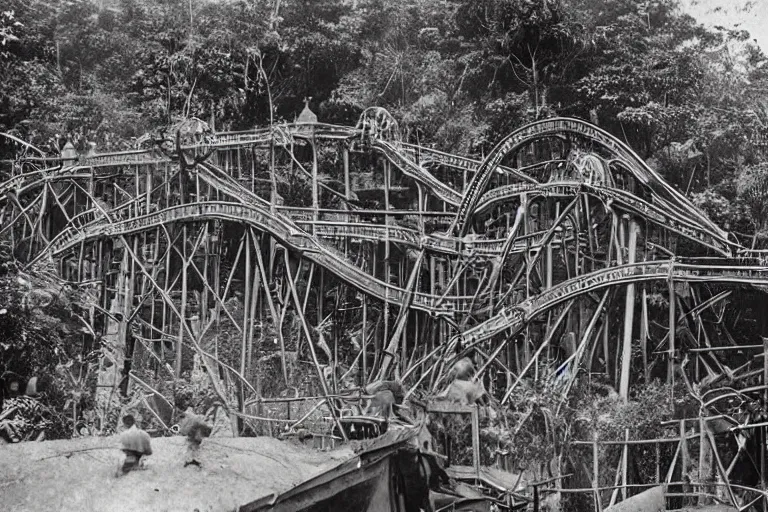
[[86, 167], [415, 171], [512, 319], [296, 239], [427, 156], [443, 244], [558, 126], [570, 241], [483, 248], [622, 198]]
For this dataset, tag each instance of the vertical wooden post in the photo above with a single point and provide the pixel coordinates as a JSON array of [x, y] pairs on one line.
[[167, 279], [606, 346], [404, 348], [672, 322], [315, 186], [629, 310], [376, 340], [549, 265], [476, 440], [246, 319], [347, 188], [387, 178], [249, 370], [432, 275], [320, 297], [525, 221], [644, 335], [129, 300], [624, 464], [596, 474], [364, 376], [207, 247], [183, 311], [80, 258], [703, 479], [422, 207], [658, 463], [683, 455]]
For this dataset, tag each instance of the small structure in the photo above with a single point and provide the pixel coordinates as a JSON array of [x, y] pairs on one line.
[[307, 116], [391, 473], [68, 153]]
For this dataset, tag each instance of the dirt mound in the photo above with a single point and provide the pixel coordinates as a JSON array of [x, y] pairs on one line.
[[80, 475]]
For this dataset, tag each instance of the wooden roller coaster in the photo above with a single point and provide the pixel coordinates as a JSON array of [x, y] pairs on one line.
[[356, 253]]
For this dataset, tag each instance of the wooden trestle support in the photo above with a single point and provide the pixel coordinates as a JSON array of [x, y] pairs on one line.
[[374, 258]]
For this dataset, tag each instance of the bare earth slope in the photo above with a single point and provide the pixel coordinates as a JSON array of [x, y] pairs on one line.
[[80, 475]]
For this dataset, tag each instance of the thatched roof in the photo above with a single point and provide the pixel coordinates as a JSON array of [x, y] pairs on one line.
[[81, 474]]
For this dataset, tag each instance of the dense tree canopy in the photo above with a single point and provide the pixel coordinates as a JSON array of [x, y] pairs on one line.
[[458, 75]]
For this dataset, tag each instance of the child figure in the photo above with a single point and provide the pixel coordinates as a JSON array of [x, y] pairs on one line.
[[136, 444]]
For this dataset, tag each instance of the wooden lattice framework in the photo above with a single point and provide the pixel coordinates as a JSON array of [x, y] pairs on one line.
[[546, 250]]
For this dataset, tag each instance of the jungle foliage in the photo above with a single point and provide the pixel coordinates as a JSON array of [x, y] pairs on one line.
[[458, 75]]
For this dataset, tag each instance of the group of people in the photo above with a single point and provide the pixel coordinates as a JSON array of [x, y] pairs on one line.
[[136, 443]]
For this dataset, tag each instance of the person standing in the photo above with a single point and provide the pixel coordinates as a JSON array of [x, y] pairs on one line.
[[196, 429], [136, 444]]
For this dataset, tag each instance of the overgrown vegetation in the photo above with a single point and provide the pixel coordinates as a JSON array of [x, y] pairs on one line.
[[459, 75]]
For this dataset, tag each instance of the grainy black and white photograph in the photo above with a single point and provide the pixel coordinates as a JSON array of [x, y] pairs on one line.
[[384, 255]]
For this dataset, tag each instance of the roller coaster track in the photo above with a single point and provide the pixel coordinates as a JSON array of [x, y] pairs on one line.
[[255, 211], [696, 227], [512, 319], [622, 198], [399, 155], [281, 133], [82, 168], [446, 244], [263, 220], [406, 236], [558, 126], [307, 231], [453, 245], [415, 171], [427, 156], [220, 180]]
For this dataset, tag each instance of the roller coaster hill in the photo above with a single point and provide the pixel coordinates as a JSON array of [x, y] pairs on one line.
[[307, 255]]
